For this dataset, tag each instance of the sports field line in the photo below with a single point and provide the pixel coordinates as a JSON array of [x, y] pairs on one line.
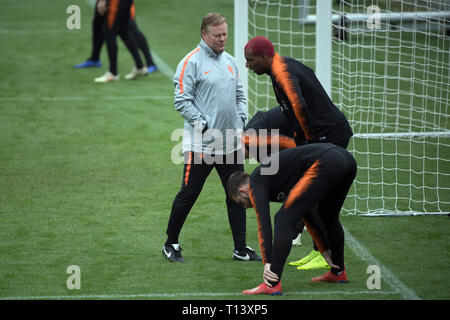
[[37, 32], [163, 66], [190, 294], [386, 274]]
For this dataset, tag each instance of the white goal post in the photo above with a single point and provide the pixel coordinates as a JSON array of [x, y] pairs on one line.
[[385, 64]]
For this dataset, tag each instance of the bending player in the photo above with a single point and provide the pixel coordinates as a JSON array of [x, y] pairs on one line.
[[316, 174]]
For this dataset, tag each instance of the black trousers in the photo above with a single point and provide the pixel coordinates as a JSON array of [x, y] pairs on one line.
[[117, 23], [318, 221], [195, 172], [97, 34], [98, 27], [327, 191], [141, 41]]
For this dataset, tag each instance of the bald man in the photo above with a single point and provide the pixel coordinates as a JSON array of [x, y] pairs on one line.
[[316, 174]]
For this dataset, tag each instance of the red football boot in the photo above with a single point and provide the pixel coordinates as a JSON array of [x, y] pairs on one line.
[[331, 277], [264, 289]]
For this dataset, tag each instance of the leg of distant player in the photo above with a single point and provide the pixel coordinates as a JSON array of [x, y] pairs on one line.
[[143, 45], [120, 26], [97, 36], [97, 41], [117, 23]]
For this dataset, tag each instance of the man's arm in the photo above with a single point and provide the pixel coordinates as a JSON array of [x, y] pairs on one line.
[[241, 100], [299, 106], [263, 131], [290, 85]]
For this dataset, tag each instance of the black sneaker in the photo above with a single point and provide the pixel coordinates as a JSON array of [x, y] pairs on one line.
[[248, 254], [172, 252]]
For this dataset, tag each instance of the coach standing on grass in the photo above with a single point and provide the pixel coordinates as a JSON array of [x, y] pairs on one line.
[[315, 174], [210, 97]]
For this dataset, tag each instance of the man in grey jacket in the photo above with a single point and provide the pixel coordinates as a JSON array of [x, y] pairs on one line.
[[210, 97]]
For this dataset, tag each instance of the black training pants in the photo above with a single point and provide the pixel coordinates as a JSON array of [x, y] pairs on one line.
[[194, 176], [328, 190], [117, 23], [98, 28], [318, 221]]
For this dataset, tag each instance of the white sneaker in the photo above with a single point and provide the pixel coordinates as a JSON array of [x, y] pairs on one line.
[[107, 77], [297, 241], [136, 73]]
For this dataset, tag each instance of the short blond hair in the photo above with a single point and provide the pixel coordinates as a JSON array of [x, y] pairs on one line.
[[212, 19]]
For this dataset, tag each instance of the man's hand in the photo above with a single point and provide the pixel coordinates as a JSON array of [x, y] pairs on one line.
[[101, 7], [268, 275], [327, 256]]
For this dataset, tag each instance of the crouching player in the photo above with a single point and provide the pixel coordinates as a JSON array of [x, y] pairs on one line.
[[316, 174]]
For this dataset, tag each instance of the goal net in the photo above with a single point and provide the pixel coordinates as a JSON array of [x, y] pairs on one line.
[[389, 74]]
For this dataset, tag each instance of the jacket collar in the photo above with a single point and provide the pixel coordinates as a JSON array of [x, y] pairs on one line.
[[208, 50], [275, 61]]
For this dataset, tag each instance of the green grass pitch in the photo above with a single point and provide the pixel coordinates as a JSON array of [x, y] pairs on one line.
[[86, 179]]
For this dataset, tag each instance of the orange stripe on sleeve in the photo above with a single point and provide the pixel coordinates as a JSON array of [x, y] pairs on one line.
[[319, 240], [184, 69], [303, 184], [284, 142], [250, 139], [279, 70]]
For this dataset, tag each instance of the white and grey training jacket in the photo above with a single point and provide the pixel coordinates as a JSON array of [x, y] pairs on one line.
[[209, 94]]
